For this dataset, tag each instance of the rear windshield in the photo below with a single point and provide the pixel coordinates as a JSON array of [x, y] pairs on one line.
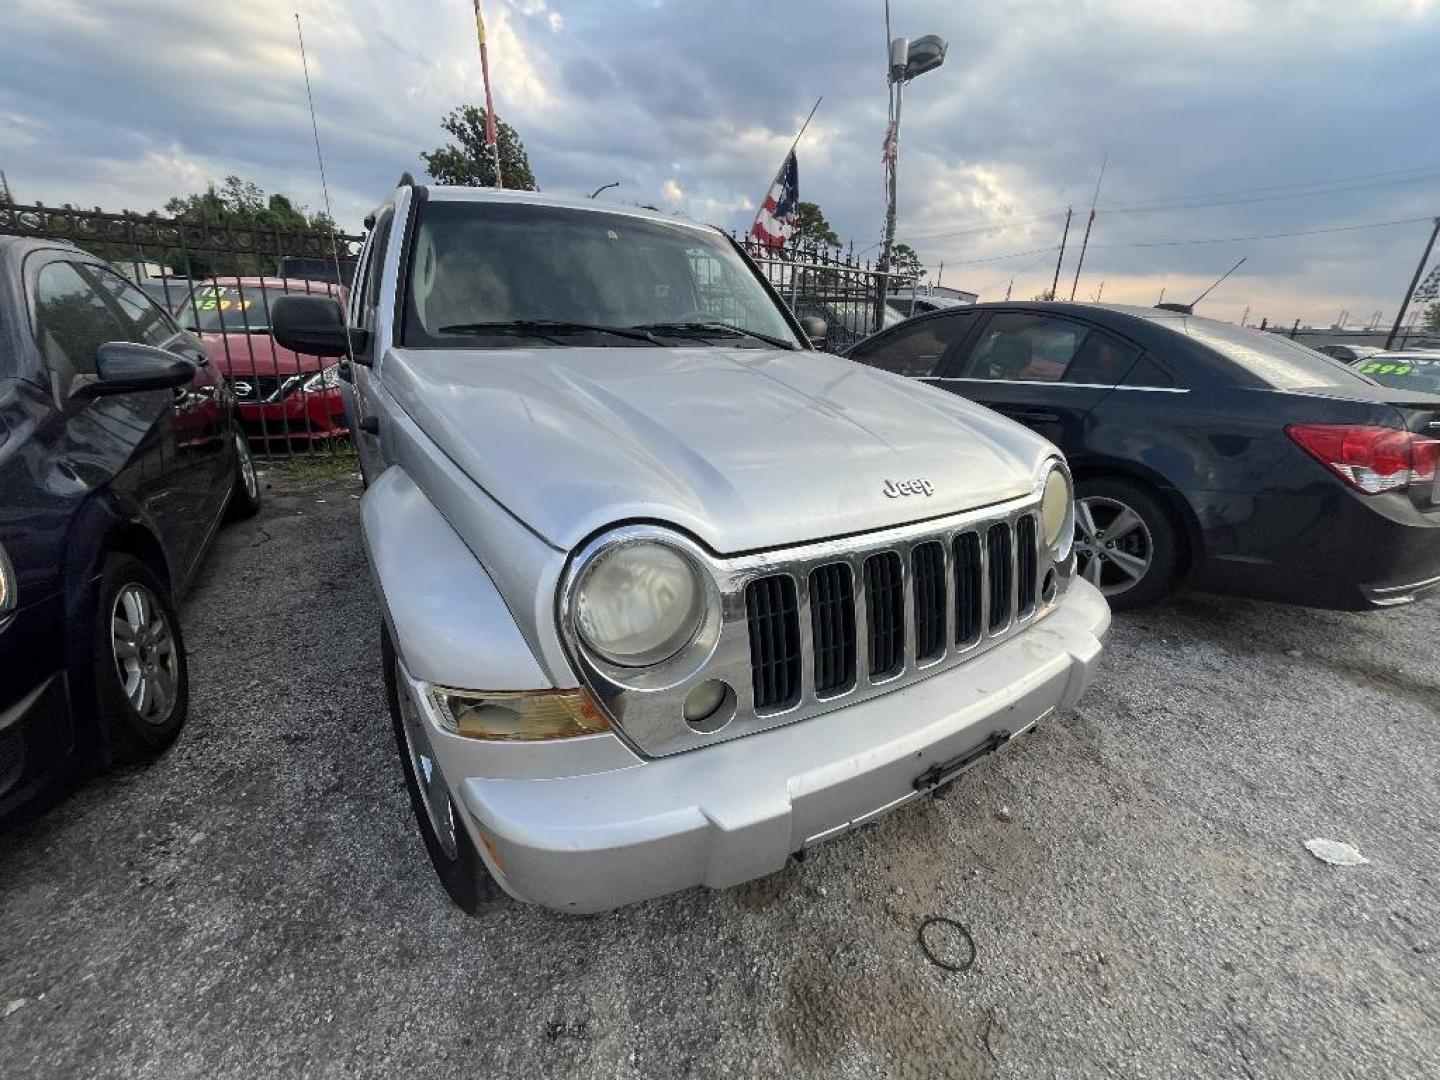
[[1271, 358], [234, 309], [1406, 372]]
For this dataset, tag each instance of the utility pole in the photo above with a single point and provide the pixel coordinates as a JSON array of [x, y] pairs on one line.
[[1086, 242], [1409, 292], [1244, 317], [1069, 210], [940, 273]]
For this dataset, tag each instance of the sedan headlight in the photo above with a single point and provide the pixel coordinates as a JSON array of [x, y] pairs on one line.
[[639, 603], [1057, 512], [324, 379]]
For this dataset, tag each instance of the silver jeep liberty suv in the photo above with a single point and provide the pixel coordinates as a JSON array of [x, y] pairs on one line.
[[668, 595]]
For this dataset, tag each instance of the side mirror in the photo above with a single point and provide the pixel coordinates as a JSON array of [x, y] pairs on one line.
[[815, 329], [309, 324], [126, 367]]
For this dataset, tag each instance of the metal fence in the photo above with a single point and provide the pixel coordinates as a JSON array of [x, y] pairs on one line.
[[217, 278], [849, 295]]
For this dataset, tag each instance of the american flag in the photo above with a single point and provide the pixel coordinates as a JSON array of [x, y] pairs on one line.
[[779, 214]]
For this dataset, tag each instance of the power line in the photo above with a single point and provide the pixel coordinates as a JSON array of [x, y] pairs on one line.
[[1124, 208], [1264, 236], [1283, 187]]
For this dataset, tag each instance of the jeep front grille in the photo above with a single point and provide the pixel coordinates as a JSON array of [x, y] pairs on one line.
[[774, 621], [832, 628], [800, 631]]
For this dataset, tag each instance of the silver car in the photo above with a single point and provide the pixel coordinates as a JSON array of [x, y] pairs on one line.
[[668, 595]]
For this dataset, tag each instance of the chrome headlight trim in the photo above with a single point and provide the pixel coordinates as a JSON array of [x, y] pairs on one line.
[[649, 673]]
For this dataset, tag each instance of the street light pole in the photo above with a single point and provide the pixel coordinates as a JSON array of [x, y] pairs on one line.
[[1419, 269], [906, 60]]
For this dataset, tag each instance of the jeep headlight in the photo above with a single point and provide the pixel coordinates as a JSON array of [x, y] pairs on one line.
[[639, 603], [1057, 512]]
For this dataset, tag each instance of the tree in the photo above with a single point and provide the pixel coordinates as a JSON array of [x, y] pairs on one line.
[[470, 162], [243, 204], [812, 228], [1045, 294], [905, 262], [1430, 320]]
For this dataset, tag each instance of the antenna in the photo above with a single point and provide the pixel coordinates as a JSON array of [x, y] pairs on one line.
[[1221, 278], [320, 161]]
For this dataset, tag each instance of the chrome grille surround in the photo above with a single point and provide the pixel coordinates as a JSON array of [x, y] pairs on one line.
[[646, 703]]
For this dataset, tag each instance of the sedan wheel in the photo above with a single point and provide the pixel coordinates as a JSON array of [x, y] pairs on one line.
[[1113, 545], [1126, 543], [146, 660]]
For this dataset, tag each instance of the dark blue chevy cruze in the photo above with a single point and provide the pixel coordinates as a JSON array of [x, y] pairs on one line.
[[119, 455]]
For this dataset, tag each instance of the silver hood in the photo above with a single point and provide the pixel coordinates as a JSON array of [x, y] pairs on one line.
[[743, 448]]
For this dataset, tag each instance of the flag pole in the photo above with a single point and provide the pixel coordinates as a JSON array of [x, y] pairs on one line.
[[491, 128]]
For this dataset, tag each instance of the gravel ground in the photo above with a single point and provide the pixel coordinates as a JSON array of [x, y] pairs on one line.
[[259, 903]]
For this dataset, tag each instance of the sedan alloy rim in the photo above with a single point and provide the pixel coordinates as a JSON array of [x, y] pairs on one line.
[[434, 792], [1112, 545], [146, 660], [247, 467]]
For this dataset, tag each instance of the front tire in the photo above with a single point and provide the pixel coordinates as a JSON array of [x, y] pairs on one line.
[[245, 495], [457, 863], [1125, 543], [139, 674]]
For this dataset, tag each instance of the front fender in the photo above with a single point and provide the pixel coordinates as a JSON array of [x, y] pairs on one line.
[[446, 617]]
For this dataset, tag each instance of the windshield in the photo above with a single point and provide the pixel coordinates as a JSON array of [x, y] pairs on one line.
[[1405, 372], [483, 273], [1272, 358]]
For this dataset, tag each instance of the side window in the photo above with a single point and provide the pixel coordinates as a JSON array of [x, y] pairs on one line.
[[1016, 346], [1102, 360], [1148, 372], [375, 269], [151, 326], [72, 319], [915, 350]]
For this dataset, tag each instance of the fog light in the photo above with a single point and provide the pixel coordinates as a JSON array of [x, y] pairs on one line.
[[708, 707]]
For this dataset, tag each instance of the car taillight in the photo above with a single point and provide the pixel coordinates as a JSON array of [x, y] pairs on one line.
[[1370, 459]]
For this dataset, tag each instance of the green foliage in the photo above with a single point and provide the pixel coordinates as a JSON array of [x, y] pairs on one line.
[[470, 163], [243, 206], [906, 262], [813, 228]]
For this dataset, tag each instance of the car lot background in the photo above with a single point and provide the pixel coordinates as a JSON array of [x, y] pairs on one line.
[[259, 903]]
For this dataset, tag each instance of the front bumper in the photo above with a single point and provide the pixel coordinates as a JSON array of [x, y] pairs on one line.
[[728, 813], [298, 417]]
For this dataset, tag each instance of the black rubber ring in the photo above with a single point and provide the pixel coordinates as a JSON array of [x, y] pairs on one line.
[[929, 955]]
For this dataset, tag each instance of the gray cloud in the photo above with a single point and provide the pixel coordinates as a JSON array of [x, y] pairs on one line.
[[126, 102]]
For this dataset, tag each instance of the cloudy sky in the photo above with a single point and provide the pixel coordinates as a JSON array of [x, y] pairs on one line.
[[1221, 119]]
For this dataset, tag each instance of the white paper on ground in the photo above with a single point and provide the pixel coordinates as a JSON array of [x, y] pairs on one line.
[[1334, 852]]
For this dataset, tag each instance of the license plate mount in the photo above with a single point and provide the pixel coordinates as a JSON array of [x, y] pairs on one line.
[[941, 773]]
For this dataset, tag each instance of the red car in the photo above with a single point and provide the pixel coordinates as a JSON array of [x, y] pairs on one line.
[[283, 395]]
